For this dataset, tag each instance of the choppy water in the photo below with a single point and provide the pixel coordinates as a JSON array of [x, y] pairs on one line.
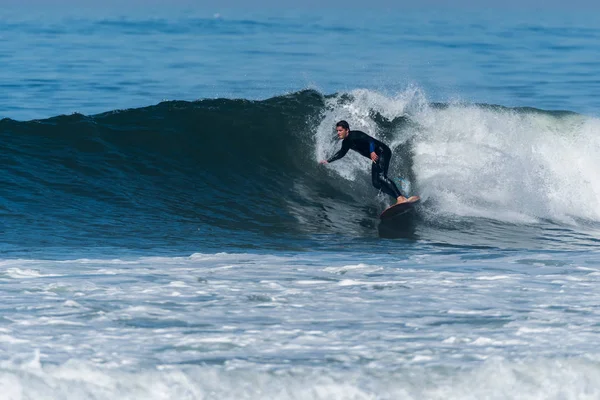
[[194, 248]]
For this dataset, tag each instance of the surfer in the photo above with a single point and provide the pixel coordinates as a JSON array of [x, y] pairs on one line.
[[371, 148]]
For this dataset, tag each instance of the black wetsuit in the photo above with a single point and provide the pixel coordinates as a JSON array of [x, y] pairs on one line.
[[365, 145]]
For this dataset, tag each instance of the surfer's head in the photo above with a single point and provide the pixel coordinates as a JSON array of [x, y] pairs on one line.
[[342, 129]]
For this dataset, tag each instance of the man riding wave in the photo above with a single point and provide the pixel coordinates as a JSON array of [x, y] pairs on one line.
[[377, 151]]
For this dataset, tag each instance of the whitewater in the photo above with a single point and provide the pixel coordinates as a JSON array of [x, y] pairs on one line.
[[511, 165], [426, 323], [168, 233]]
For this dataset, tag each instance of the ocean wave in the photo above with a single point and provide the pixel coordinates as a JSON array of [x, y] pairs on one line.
[[224, 166]]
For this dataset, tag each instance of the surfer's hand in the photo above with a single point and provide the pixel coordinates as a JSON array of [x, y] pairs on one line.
[[323, 162], [374, 157]]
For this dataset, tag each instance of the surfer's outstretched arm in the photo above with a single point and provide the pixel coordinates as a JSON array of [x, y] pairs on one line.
[[341, 153]]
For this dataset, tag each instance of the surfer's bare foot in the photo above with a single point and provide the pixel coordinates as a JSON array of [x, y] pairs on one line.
[[412, 199], [401, 199]]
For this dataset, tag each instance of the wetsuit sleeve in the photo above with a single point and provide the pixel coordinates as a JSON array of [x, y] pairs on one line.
[[341, 153], [371, 146]]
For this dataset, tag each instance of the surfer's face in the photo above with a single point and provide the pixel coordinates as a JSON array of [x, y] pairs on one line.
[[341, 132]]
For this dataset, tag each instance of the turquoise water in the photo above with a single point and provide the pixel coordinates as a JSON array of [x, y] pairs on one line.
[[168, 233]]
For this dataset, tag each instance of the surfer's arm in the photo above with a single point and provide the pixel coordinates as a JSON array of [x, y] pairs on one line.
[[341, 153]]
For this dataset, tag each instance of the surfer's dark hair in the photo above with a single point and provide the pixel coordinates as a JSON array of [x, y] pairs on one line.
[[343, 124]]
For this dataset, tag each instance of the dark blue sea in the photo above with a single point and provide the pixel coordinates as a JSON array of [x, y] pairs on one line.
[[168, 233]]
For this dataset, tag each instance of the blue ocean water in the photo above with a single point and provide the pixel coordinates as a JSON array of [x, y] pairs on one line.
[[61, 61], [167, 231]]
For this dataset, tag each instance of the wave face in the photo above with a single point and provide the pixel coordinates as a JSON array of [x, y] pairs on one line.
[[247, 170]]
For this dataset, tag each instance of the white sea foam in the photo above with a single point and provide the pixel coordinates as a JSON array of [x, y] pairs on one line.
[[358, 268], [20, 273], [532, 380], [292, 327]]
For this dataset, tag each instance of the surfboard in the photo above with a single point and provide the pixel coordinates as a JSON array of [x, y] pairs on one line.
[[397, 209]]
